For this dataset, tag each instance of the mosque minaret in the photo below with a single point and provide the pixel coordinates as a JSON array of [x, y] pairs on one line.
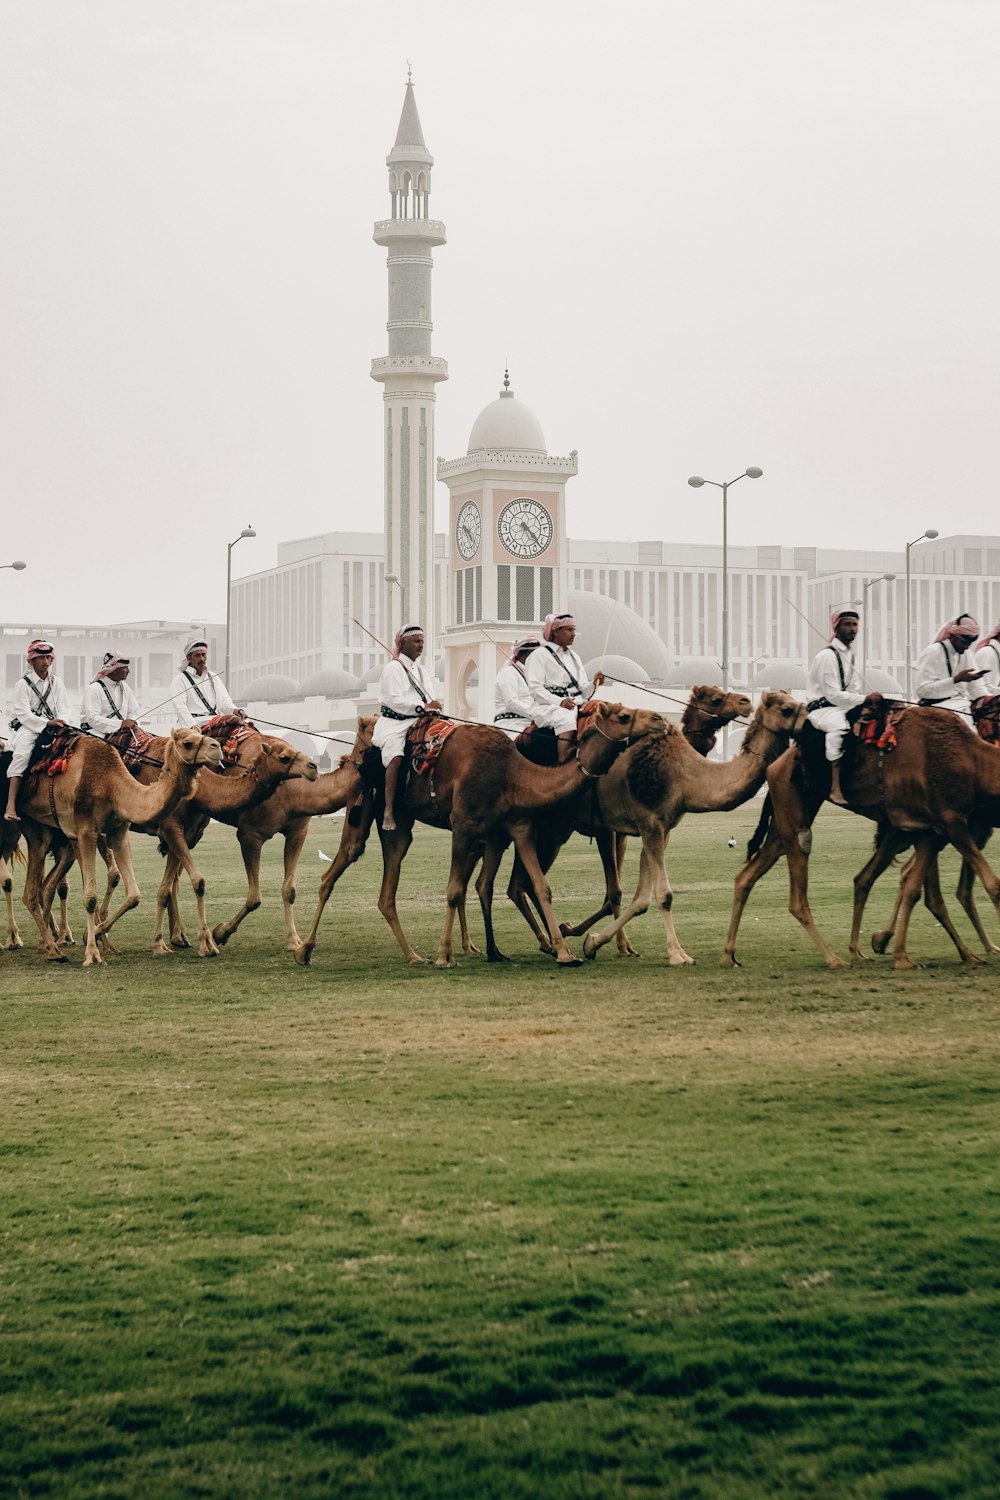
[[408, 375]]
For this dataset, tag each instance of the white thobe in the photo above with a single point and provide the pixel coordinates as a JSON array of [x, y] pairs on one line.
[[513, 705], [398, 691], [835, 677], [936, 683], [33, 718], [188, 707], [553, 673], [988, 661], [96, 712]]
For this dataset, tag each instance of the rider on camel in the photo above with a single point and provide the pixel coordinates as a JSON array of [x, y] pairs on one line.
[[40, 702]]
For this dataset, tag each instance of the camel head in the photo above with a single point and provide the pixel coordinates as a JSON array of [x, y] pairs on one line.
[[365, 732], [280, 761], [194, 749], [616, 722], [779, 713], [714, 704]]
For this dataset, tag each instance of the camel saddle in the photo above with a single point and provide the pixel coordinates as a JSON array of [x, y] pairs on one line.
[[876, 721], [53, 750], [539, 744], [986, 717], [229, 731], [132, 745], [426, 739]]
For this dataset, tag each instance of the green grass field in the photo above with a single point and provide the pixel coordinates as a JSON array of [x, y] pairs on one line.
[[627, 1230]]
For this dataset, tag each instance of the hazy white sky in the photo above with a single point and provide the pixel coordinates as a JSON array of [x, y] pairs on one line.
[[705, 233]]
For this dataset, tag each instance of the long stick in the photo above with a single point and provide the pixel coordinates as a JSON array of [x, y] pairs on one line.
[[822, 636], [372, 636]]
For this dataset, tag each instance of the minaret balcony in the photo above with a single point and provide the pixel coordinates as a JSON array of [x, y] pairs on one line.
[[420, 231], [428, 365]]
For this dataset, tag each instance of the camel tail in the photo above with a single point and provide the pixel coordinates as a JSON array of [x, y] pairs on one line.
[[760, 832]]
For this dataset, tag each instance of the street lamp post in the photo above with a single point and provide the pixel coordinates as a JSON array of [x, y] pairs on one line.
[[696, 482], [18, 567], [930, 533], [765, 657], [868, 583], [247, 531], [394, 578]]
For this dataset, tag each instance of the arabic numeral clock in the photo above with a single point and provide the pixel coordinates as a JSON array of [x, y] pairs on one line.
[[469, 529], [525, 528]]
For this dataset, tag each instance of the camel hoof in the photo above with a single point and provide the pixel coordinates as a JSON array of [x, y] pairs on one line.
[[444, 963], [589, 951], [471, 949], [903, 963], [67, 940], [416, 960], [730, 961], [57, 958], [678, 960], [880, 941], [569, 963], [496, 957], [973, 961], [833, 962], [179, 942], [207, 950], [13, 945], [629, 952]]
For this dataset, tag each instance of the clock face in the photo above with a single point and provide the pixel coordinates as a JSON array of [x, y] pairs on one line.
[[525, 528], [469, 529]]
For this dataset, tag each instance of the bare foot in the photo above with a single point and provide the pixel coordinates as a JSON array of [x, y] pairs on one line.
[[838, 799], [11, 817], [388, 824]]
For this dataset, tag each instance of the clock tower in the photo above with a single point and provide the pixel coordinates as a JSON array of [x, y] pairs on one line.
[[507, 547]]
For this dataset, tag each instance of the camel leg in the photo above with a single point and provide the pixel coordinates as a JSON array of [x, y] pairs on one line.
[[889, 843], [611, 847], [524, 844], [395, 844], [353, 841], [13, 939], [882, 938], [294, 841], [959, 835], [122, 849], [33, 898], [519, 891], [86, 854], [967, 902], [934, 902], [465, 852], [640, 901], [911, 882], [798, 900], [164, 905], [55, 882], [179, 857], [250, 847], [64, 933], [492, 856]]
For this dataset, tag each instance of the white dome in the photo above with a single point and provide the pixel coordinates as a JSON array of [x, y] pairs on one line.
[[622, 668], [692, 671], [882, 682], [602, 622], [507, 424], [785, 674]]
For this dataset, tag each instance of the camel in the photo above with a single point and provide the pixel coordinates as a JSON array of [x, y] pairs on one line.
[[259, 765], [96, 797], [707, 711], [933, 899], [940, 782], [288, 811], [652, 786], [487, 793], [12, 937]]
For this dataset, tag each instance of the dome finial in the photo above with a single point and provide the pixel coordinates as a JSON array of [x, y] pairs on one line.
[[409, 72], [506, 376]]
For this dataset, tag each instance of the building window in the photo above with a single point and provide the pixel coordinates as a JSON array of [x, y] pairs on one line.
[[503, 592], [525, 586], [470, 598], [546, 578]]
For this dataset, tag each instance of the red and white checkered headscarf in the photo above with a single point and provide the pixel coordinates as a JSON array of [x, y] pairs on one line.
[[553, 623], [40, 648], [994, 635], [960, 625], [112, 661], [398, 638], [846, 613]]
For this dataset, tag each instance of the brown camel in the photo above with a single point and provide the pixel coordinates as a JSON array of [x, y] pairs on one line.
[[707, 711], [487, 793], [288, 812], [656, 783], [96, 797], [941, 780], [933, 899], [259, 765]]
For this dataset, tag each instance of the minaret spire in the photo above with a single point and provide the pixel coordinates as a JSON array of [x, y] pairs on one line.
[[408, 375]]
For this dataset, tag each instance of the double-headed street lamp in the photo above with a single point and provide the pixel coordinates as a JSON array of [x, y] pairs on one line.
[[394, 578], [929, 535], [866, 584], [696, 482], [247, 531], [19, 567]]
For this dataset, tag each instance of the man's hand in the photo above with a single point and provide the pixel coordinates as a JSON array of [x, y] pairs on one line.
[[599, 679], [129, 724], [568, 703], [968, 675], [435, 703]]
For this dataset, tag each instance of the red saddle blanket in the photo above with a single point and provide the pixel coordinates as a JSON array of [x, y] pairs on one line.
[[53, 751], [229, 730], [877, 720], [426, 739], [986, 716], [133, 747]]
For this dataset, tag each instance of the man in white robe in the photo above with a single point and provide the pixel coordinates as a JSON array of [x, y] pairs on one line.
[[109, 704], [197, 693], [833, 687], [557, 678], [513, 703], [40, 702], [405, 691], [947, 673]]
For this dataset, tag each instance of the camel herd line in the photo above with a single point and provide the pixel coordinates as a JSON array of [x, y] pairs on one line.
[[919, 774]]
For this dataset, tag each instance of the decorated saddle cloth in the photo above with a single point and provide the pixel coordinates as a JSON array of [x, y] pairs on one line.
[[53, 751], [538, 743], [133, 747], [426, 739], [229, 731], [986, 717], [876, 721]]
